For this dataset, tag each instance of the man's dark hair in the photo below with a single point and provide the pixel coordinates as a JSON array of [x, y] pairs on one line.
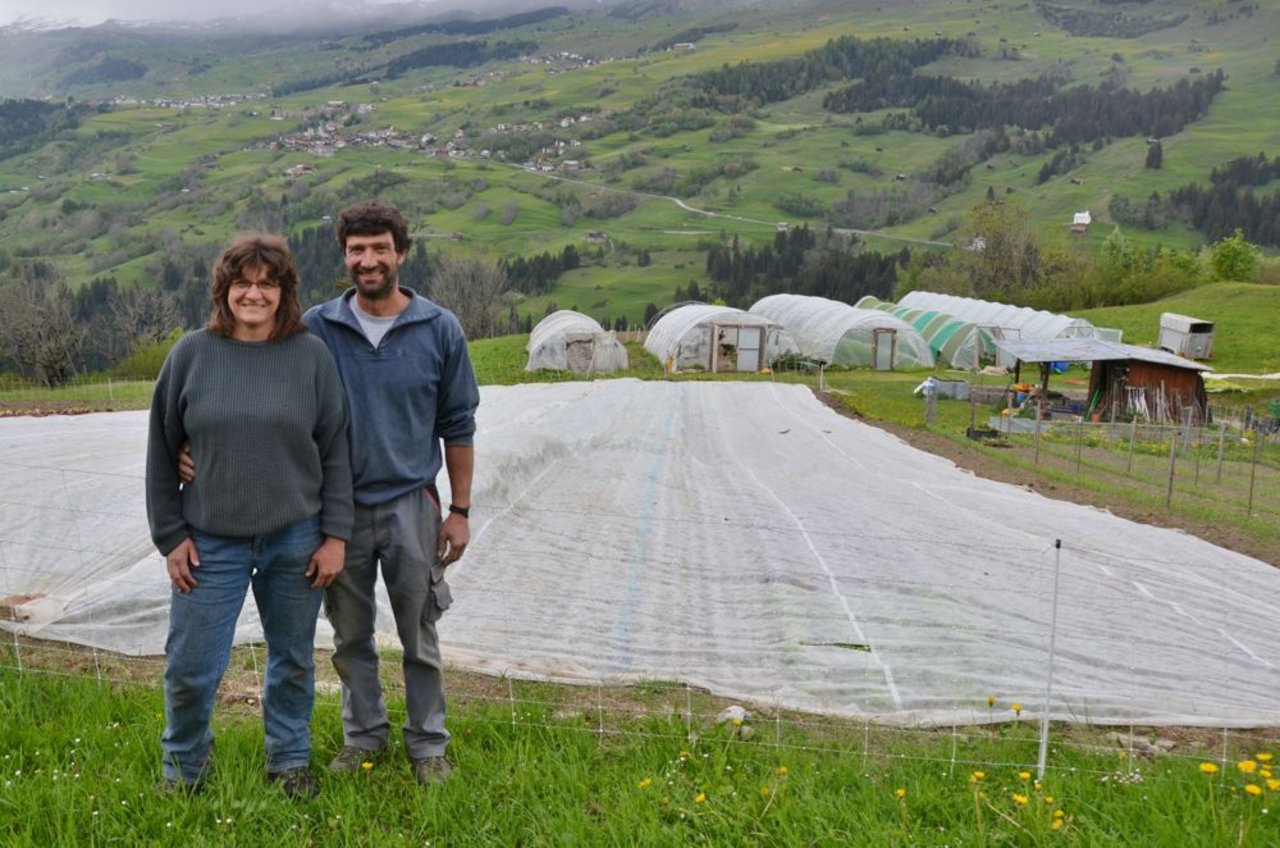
[[271, 254], [370, 219]]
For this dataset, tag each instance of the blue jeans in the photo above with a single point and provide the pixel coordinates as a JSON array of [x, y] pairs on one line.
[[202, 625]]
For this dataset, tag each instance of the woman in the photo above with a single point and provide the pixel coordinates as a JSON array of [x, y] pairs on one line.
[[259, 400]]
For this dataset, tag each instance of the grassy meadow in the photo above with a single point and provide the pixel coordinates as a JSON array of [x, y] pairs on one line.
[[550, 766]]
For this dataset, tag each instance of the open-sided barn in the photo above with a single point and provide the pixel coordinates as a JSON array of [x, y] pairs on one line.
[[1125, 381]]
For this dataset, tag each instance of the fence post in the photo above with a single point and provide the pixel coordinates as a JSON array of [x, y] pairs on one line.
[[1048, 685], [1173, 461], [1039, 416], [1253, 466], [1199, 442], [1133, 433], [1079, 443], [1222, 438]]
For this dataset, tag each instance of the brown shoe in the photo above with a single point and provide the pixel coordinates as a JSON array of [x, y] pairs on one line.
[[351, 758], [295, 782], [430, 770]]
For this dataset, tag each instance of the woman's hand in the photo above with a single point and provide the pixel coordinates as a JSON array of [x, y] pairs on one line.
[[180, 561], [326, 563]]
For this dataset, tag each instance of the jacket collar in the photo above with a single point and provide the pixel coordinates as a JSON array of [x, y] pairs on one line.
[[339, 309]]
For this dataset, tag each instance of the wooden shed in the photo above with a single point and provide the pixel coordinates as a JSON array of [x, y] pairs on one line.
[[1125, 381]]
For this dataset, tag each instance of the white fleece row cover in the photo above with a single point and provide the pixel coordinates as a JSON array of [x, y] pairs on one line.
[[740, 537]]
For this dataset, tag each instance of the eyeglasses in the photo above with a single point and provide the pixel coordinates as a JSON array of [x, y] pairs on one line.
[[264, 286]]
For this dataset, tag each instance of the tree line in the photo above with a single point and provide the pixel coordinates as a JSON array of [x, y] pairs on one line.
[[460, 54], [800, 262], [1227, 204], [1076, 115], [462, 26], [732, 88], [26, 124]]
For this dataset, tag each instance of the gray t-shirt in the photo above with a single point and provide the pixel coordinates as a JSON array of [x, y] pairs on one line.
[[374, 326]]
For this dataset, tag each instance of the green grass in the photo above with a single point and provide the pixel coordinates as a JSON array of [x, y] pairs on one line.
[[1244, 318], [96, 394], [548, 766]]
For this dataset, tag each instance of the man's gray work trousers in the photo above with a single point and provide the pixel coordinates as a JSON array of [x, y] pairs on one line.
[[401, 535]]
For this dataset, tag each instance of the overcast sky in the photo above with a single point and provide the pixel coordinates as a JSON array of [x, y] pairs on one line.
[[88, 12]]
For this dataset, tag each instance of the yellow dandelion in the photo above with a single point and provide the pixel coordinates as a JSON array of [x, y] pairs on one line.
[[1209, 768], [1020, 800], [783, 771], [1263, 756], [1057, 824], [1017, 709], [991, 700], [1059, 814], [765, 791], [366, 765], [646, 783], [737, 722], [899, 793], [1273, 784], [1048, 799], [701, 798], [1247, 766], [1253, 789], [977, 776], [1265, 772], [1024, 776]]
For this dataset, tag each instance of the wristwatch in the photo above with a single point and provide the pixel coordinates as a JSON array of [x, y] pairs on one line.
[[464, 511]]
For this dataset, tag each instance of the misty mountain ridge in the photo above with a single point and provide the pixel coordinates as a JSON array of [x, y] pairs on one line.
[[330, 17]]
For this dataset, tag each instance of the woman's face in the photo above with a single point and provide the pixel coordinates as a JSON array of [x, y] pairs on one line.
[[254, 299]]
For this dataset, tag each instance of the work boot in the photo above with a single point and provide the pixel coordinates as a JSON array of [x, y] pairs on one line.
[[430, 770], [295, 782], [351, 758]]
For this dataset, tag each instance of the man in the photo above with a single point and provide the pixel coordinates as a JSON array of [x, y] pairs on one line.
[[410, 386]]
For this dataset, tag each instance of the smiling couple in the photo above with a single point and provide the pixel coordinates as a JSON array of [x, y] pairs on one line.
[[295, 463]]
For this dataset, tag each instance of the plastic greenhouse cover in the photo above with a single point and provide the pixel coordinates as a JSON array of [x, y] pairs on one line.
[[1031, 323], [736, 536], [840, 334], [679, 335], [548, 343]]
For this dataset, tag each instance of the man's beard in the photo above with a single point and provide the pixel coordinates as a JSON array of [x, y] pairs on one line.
[[378, 291]]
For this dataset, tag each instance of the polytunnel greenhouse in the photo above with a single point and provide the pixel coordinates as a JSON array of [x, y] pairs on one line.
[[838, 334], [1015, 322], [955, 342], [570, 341], [716, 338]]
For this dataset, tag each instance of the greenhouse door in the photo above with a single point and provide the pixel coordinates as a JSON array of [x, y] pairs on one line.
[[884, 342], [750, 341]]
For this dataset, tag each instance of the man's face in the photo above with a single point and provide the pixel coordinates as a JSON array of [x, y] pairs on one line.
[[374, 265]]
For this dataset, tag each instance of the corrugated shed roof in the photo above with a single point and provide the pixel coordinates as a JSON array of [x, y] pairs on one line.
[[1091, 350]]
